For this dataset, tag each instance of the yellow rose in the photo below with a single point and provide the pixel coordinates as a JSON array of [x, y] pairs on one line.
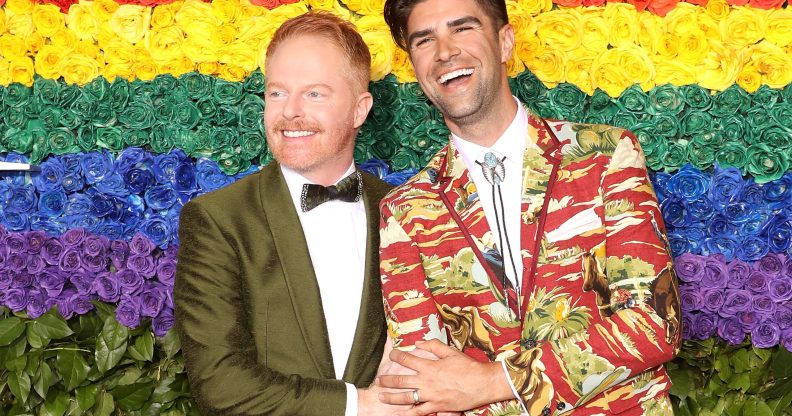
[[636, 64], [548, 66], [402, 67], [47, 18], [226, 11], [20, 24], [607, 75], [163, 16], [683, 18], [222, 36], [104, 9], [254, 32], [64, 38], [595, 30], [20, 6], [88, 49], [749, 78], [774, 63], [322, 4], [196, 19], [120, 53], [381, 48], [743, 26], [83, 21], [165, 44], [514, 66], [562, 29], [21, 70], [78, 69], [179, 65], [668, 46], [131, 22], [231, 72], [579, 66], [111, 71], [693, 47], [277, 16], [520, 19], [366, 7], [145, 69], [622, 20], [251, 10], [535, 7], [708, 25], [12, 46], [779, 27], [673, 71], [48, 61], [720, 66], [200, 50], [5, 76], [2, 21], [33, 43], [717, 9], [239, 55], [526, 48], [208, 68]]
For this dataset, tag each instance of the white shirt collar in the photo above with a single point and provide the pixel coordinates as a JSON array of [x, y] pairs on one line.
[[510, 143], [295, 181]]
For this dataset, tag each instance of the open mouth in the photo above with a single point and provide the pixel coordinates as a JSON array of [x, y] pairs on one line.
[[455, 77], [298, 133]]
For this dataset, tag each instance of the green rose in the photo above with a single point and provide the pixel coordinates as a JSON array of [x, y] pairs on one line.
[[223, 137], [633, 99], [733, 128], [97, 88], [782, 114], [163, 137], [84, 107], [255, 83], [199, 140], [119, 94], [69, 120], [198, 85], [666, 125], [694, 122], [62, 141], [759, 118], [164, 84], [567, 96], [50, 116], [110, 138], [381, 117], [68, 94], [104, 116], [15, 117], [142, 89], [700, 156], [708, 138], [675, 156], [163, 111], [15, 95], [651, 142], [405, 158], [16, 140], [186, 115], [786, 93], [730, 101], [226, 92], [136, 138], [138, 114], [732, 154], [47, 90], [665, 99], [40, 148], [545, 108], [362, 153], [226, 115], [266, 157], [86, 137], [696, 97], [625, 120], [385, 92], [597, 118], [528, 87], [251, 144], [418, 142], [207, 107], [776, 137], [437, 134], [230, 161], [766, 96], [383, 144], [766, 165], [251, 113], [410, 114]]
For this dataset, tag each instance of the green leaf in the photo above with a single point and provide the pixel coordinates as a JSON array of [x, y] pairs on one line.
[[781, 364], [740, 381], [10, 329], [89, 325], [111, 345], [681, 383], [43, 379], [19, 384], [753, 407], [170, 344], [740, 361], [723, 365], [169, 390], [86, 396], [780, 405], [143, 349], [55, 404], [104, 405], [72, 367], [16, 360], [133, 396], [104, 310], [48, 327]]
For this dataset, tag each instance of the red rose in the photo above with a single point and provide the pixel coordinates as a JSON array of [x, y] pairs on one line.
[[766, 4], [569, 3], [662, 7], [737, 2], [640, 5], [270, 4]]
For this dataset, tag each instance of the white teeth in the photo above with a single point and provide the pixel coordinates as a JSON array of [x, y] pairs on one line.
[[299, 133], [454, 74]]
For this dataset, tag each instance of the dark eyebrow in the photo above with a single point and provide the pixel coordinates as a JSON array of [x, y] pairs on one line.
[[454, 23]]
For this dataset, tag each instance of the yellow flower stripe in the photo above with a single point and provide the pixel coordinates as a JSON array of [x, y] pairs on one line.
[[610, 47]]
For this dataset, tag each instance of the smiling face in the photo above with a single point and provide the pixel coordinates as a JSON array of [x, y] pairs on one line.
[[313, 108], [459, 59]]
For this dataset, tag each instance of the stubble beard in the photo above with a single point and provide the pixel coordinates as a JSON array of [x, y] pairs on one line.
[[312, 156]]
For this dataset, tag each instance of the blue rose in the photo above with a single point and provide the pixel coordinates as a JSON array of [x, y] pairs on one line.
[[53, 226], [71, 162], [209, 176], [96, 166], [726, 186], [660, 184], [77, 204], [398, 178], [113, 184], [52, 203], [139, 179], [375, 167], [164, 165], [21, 200], [185, 179], [161, 197], [740, 212], [82, 220], [754, 225], [132, 157], [719, 245], [752, 248], [701, 209], [110, 229], [675, 213], [778, 232], [778, 193], [72, 182], [50, 176], [689, 183], [130, 220], [101, 204], [752, 193], [679, 243], [157, 229], [14, 221]]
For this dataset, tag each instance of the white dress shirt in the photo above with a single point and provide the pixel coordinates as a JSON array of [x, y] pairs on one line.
[[336, 233]]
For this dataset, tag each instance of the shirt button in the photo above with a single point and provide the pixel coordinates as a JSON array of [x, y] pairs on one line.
[[561, 406], [546, 411], [529, 344]]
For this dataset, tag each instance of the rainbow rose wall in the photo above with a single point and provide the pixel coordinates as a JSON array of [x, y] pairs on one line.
[[131, 108]]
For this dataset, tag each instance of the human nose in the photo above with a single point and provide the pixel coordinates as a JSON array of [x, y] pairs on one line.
[[292, 108], [446, 49]]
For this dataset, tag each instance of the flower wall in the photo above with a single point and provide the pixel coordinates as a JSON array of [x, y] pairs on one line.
[[132, 108]]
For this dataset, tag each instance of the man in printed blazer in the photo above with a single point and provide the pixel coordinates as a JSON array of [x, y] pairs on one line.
[[277, 294], [534, 247]]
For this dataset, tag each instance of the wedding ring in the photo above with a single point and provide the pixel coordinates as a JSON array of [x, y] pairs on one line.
[[416, 399]]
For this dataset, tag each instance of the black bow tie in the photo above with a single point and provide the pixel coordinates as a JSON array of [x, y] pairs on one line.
[[349, 189]]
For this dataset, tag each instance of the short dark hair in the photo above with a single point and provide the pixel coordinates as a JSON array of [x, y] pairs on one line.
[[398, 11], [338, 31]]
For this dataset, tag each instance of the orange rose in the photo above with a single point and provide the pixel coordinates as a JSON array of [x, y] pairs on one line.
[[662, 7]]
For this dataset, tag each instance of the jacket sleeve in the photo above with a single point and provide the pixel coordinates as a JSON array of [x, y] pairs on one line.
[[637, 332], [213, 324]]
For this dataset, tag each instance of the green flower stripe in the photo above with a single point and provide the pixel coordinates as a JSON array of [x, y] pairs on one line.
[[210, 117]]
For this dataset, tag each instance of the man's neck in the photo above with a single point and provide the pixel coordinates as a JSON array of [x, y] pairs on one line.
[[486, 126]]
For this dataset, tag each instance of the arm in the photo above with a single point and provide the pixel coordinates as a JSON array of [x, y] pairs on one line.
[[213, 323]]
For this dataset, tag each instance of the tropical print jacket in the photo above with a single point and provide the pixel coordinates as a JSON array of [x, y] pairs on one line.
[[599, 302]]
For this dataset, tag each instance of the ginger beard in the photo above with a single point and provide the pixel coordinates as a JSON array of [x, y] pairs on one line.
[[304, 153]]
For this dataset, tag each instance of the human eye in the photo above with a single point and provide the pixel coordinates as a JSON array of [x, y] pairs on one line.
[[314, 94], [275, 94], [421, 42], [463, 28]]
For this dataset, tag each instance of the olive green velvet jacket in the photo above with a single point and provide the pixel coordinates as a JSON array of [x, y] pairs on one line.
[[248, 308]]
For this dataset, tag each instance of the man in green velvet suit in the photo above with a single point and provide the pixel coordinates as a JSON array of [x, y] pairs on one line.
[[277, 291]]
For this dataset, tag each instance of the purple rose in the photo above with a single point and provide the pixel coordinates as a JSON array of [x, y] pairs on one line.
[[757, 282], [35, 241], [737, 300], [80, 304], [163, 322], [83, 282], [35, 265], [95, 245], [713, 299], [771, 264], [73, 237], [16, 299], [17, 261], [142, 264], [130, 281], [689, 267], [763, 305], [16, 243], [70, 260], [691, 298], [119, 251], [786, 339], [706, 325], [780, 288], [52, 251], [107, 287], [783, 316], [141, 245], [688, 320], [128, 312], [52, 281], [738, 272], [715, 274], [766, 334], [166, 270], [731, 330], [749, 320], [63, 302], [21, 279], [152, 301], [37, 304], [94, 264], [6, 278]]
